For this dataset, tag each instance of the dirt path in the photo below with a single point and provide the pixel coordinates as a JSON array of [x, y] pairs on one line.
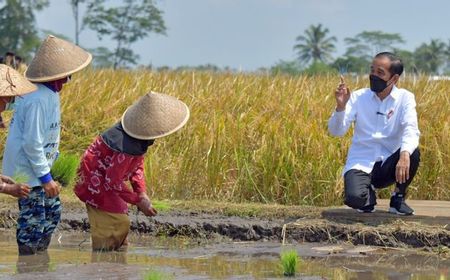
[[334, 225]]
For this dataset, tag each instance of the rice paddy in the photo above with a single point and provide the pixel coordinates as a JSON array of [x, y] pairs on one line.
[[252, 138]]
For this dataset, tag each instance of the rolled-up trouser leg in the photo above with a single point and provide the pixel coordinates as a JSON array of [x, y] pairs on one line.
[[108, 230], [358, 190]]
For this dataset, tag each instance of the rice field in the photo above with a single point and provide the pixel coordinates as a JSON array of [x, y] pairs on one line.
[[256, 138]]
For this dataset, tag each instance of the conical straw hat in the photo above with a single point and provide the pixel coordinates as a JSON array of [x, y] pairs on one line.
[[12, 83], [154, 115], [56, 59]]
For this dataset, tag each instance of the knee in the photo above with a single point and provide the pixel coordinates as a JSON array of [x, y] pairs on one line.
[[356, 188], [355, 200]]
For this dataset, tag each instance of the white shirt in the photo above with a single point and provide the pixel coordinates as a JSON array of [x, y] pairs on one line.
[[33, 136], [381, 127]]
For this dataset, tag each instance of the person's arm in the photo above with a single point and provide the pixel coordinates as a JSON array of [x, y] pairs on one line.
[[411, 133], [8, 186], [139, 187], [6, 179], [33, 146], [410, 139], [137, 194], [137, 181], [343, 116]]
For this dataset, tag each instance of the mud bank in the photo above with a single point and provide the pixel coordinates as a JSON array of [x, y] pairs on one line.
[[392, 233]]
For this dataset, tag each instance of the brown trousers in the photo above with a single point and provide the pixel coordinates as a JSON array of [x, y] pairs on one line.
[[108, 230]]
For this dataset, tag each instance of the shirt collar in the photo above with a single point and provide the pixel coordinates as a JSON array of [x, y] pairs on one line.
[[394, 92], [50, 87]]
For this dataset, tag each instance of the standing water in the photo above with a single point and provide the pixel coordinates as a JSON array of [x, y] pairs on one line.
[[70, 257]]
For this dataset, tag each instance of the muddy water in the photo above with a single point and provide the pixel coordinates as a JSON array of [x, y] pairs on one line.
[[70, 257]]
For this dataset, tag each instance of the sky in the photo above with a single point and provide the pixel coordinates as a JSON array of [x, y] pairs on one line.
[[249, 34]]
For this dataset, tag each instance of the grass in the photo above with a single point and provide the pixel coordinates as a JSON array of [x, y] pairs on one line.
[[250, 138], [289, 262], [156, 275], [64, 170]]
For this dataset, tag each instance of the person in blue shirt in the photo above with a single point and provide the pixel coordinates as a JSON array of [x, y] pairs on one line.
[[33, 141]]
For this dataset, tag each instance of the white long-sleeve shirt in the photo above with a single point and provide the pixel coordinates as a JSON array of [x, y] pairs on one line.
[[381, 126], [33, 137]]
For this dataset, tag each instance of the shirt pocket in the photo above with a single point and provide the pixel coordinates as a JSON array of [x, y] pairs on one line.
[[391, 124]]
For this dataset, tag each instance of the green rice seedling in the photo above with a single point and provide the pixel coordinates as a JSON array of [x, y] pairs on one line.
[[156, 275], [289, 262], [64, 170], [160, 206], [20, 178]]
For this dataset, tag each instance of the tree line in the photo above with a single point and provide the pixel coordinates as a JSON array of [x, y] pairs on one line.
[[134, 20], [125, 24], [315, 47]]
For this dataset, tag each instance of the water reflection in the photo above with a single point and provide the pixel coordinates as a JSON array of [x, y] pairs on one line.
[[188, 260], [109, 257], [33, 263]]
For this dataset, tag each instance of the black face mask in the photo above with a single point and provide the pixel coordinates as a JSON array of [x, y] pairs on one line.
[[377, 84]]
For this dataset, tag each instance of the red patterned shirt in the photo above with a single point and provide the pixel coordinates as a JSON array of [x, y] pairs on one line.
[[102, 175]]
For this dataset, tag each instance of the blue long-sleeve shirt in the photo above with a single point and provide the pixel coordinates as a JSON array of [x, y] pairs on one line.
[[33, 137]]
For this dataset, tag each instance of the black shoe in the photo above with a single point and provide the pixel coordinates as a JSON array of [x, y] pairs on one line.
[[366, 209], [398, 205]]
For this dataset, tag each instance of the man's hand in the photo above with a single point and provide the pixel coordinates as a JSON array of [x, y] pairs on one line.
[[402, 168], [342, 95], [16, 190], [146, 206], [51, 189]]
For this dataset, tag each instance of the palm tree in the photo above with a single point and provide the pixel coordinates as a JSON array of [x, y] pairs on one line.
[[315, 45], [430, 57]]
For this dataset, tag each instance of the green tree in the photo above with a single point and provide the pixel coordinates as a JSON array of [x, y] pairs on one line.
[[368, 43], [320, 68], [408, 59], [18, 30], [125, 25], [315, 45], [429, 58], [351, 64], [286, 67], [102, 57]]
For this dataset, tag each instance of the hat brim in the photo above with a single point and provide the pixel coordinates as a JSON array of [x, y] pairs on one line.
[[13, 83], [61, 75], [23, 92]]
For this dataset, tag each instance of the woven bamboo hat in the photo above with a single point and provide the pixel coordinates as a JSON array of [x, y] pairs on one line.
[[56, 59], [154, 115], [12, 83]]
